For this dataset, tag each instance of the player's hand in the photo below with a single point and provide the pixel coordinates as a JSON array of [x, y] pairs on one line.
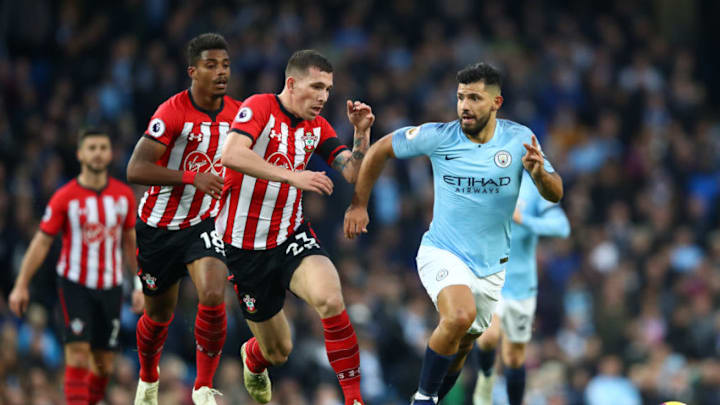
[[360, 115], [137, 301], [356, 220], [19, 299], [533, 159], [209, 184], [517, 216], [312, 181]]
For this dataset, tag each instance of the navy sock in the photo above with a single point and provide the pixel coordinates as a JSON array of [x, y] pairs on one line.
[[515, 380], [447, 383], [434, 368], [486, 360]]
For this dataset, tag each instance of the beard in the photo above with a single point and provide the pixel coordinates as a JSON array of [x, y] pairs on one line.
[[96, 168], [474, 130]]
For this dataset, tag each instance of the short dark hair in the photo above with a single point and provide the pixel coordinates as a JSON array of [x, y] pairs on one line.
[[204, 42], [480, 71], [305, 59], [90, 132]]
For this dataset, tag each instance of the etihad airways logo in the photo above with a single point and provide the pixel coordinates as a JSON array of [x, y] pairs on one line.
[[477, 185]]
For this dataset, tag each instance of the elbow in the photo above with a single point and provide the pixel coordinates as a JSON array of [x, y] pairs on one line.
[[132, 173]]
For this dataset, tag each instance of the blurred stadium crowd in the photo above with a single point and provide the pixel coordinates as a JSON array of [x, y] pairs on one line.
[[620, 96]]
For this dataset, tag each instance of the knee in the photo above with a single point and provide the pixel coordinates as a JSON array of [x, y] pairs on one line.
[[104, 368], [329, 305], [278, 352], [515, 355], [459, 320], [212, 295], [77, 355], [160, 315]]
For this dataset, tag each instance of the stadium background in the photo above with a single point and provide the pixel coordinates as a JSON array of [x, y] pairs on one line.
[[622, 94]]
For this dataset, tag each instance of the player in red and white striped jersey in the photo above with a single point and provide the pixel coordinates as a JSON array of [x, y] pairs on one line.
[[270, 247], [96, 215], [179, 158]]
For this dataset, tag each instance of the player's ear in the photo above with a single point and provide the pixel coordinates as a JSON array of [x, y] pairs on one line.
[[497, 102], [191, 71], [290, 83]]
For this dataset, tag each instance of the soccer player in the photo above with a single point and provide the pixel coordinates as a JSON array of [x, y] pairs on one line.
[[533, 217], [179, 158], [270, 247], [96, 215], [478, 162]]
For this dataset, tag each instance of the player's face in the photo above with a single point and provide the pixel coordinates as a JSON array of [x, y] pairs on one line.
[[212, 72], [475, 105], [310, 92], [95, 153]]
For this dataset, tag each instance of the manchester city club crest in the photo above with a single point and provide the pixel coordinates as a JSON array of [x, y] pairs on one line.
[[503, 159], [249, 303], [310, 141]]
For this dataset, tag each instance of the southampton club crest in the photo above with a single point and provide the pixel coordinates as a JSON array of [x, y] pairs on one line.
[[310, 141], [77, 325], [249, 303], [150, 281]]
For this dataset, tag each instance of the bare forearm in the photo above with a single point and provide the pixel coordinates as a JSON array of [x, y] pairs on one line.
[[370, 169], [246, 161], [151, 174], [34, 256], [349, 163], [549, 185], [129, 250]]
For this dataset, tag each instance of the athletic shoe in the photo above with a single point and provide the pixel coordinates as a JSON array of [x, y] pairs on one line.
[[257, 384], [205, 396], [483, 389]]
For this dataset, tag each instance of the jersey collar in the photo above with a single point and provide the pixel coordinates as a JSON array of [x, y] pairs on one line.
[[212, 114], [294, 120]]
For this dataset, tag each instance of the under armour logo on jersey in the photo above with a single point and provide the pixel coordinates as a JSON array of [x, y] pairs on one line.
[[195, 137]]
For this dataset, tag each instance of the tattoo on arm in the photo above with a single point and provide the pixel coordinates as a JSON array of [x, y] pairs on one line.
[[352, 160]]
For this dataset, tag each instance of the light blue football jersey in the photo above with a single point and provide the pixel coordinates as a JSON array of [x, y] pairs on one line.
[[540, 217], [476, 187]]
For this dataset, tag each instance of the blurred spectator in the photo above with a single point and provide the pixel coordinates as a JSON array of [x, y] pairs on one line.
[[623, 95]]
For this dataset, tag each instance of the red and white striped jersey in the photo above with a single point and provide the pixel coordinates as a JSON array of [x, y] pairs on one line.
[[259, 214], [92, 223], [194, 139]]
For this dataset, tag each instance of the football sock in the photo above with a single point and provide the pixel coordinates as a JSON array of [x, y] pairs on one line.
[[447, 383], [210, 327], [435, 367], [97, 386], [255, 361], [343, 352], [486, 360], [76, 385], [515, 381], [150, 337]]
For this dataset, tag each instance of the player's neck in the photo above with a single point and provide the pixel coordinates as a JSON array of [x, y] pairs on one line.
[[208, 102], [92, 180], [284, 97]]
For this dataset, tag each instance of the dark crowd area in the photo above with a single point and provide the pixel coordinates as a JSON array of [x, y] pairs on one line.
[[623, 96]]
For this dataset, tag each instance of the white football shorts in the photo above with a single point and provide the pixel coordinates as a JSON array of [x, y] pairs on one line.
[[439, 268], [517, 317]]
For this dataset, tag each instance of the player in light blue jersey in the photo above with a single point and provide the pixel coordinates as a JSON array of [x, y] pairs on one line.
[[534, 217], [478, 162]]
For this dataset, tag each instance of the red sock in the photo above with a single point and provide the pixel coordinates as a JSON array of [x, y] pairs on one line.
[[97, 386], [150, 337], [255, 361], [76, 385], [344, 355], [210, 327]]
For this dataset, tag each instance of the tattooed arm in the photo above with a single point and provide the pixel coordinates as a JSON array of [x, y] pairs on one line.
[[346, 162]]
